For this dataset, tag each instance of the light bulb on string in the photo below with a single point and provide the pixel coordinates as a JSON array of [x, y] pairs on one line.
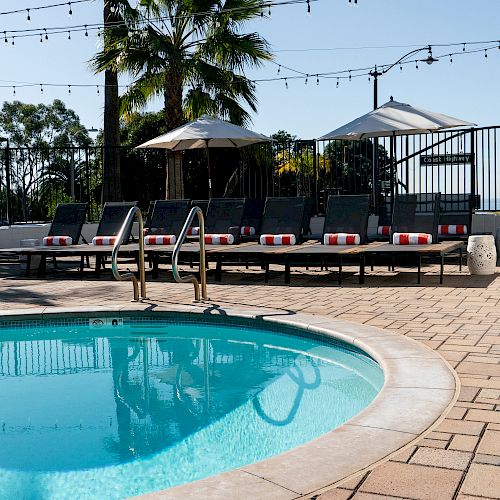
[[486, 53], [86, 31], [69, 89], [400, 67], [14, 90], [451, 58], [306, 80], [28, 18], [41, 88], [317, 80], [338, 82], [69, 35], [41, 38], [97, 89], [416, 64], [13, 41], [286, 83], [269, 10], [70, 13], [5, 35], [349, 75], [279, 68], [308, 8], [463, 48], [46, 36]]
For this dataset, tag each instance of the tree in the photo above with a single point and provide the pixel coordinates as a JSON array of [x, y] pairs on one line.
[[35, 169], [191, 53], [111, 173]]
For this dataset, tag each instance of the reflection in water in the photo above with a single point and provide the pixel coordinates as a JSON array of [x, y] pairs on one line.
[[221, 400]]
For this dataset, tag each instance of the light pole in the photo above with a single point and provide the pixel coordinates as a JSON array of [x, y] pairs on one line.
[[7, 178], [375, 73]]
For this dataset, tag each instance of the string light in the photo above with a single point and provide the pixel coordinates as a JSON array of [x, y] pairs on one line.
[[463, 49], [308, 8], [46, 36], [13, 42], [307, 77], [286, 83], [451, 58], [5, 35], [317, 80], [70, 13], [279, 68], [97, 89], [349, 75], [28, 18], [485, 53], [86, 31], [41, 88], [44, 7], [338, 83], [69, 35], [69, 89], [14, 89], [416, 63]]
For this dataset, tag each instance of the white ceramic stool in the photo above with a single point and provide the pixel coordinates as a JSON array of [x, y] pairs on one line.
[[481, 254]]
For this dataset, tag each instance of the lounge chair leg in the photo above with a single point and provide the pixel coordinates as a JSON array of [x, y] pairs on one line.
[[42, 266], [97, 266], [155, 260], [340, 270], [88, 261], [246, 263], [218, 269], [361, 269], [419, 265], [460, 261], [266, 272], [287, 271], [54, 262], [82, 264], [371, 262], [307, 264], [441, 273], [28, 264]]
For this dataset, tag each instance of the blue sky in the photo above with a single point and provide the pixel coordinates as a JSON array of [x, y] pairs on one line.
[[467, 88]]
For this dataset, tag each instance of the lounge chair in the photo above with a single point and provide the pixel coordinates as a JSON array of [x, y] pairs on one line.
[[280, 231], [166, 220], [414, 231], [455, 216], [344, 235], [252, 219], [224, 220]]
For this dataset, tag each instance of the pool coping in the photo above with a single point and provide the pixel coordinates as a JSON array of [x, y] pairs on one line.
[[420, 388]]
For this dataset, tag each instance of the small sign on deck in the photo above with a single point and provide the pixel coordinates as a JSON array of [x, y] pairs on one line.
[[447, 159]]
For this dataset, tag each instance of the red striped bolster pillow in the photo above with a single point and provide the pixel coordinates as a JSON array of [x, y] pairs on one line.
[[277, 239], [247, 230], [384, 230], [103, 240], [411, 239], [219, 239], [193, 231], [452, 229], [160, 239], [341, 239], [57, 241]]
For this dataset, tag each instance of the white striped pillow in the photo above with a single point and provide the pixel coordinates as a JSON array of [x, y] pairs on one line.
[[411, 239], [277, 239], [341, 239], [57, 241]]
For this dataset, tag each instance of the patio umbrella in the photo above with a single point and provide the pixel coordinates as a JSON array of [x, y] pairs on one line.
[[394, 118], [391, 119], [206, 132]]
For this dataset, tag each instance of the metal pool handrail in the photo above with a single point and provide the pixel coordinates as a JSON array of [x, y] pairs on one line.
[[133, 212], [175, 255]]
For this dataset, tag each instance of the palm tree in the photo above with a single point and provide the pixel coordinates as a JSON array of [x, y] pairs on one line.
[[191, 53]]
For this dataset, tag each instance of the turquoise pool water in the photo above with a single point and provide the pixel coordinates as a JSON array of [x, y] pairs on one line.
[[96, 408]]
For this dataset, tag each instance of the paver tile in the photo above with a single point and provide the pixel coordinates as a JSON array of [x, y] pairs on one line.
[[490, 443], [463, 443], [412, 481], [447, 459], [482, 480]]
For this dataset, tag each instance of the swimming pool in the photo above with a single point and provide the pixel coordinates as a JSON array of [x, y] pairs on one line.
[[106, 407]]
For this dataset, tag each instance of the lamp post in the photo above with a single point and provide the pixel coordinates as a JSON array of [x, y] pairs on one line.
[[375, 73], [7, 178]]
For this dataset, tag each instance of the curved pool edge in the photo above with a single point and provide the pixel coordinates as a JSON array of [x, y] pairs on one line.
[[420, 387]]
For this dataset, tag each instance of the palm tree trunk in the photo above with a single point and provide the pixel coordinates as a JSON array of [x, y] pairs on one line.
[[174, 118], [111, 175]]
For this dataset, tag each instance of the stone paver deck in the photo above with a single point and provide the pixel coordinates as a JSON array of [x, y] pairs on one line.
[[460, 319]]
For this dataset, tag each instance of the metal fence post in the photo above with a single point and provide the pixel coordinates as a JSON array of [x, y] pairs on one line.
[[7, 184], [473, 169]]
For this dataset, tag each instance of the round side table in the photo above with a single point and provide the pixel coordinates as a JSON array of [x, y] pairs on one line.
[[481, 254]]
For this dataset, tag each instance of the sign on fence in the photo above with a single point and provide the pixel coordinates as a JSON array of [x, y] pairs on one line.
[[456, 159]]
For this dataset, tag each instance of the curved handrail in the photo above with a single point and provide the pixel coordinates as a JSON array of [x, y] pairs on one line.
[[175, 255], [132, 213]]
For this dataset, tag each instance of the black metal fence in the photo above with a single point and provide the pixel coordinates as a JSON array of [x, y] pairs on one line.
[[34, 181]]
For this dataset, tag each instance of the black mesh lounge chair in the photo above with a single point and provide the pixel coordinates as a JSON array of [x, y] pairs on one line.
[[348, 214], [416, 213], [168, 217], [455, 216], [284, 216], [68, 221], [113, 217], [203, 204], [224, 216], [252, 218]]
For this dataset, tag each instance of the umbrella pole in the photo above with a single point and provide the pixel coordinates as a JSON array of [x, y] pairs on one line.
[[209, 170]]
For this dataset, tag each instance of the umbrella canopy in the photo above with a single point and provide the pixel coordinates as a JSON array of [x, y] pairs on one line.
[[206, 132], [394, 118]]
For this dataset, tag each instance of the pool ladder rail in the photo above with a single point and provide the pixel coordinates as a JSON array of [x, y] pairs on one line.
[[190, 278], [125, 230], [195, 211]]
